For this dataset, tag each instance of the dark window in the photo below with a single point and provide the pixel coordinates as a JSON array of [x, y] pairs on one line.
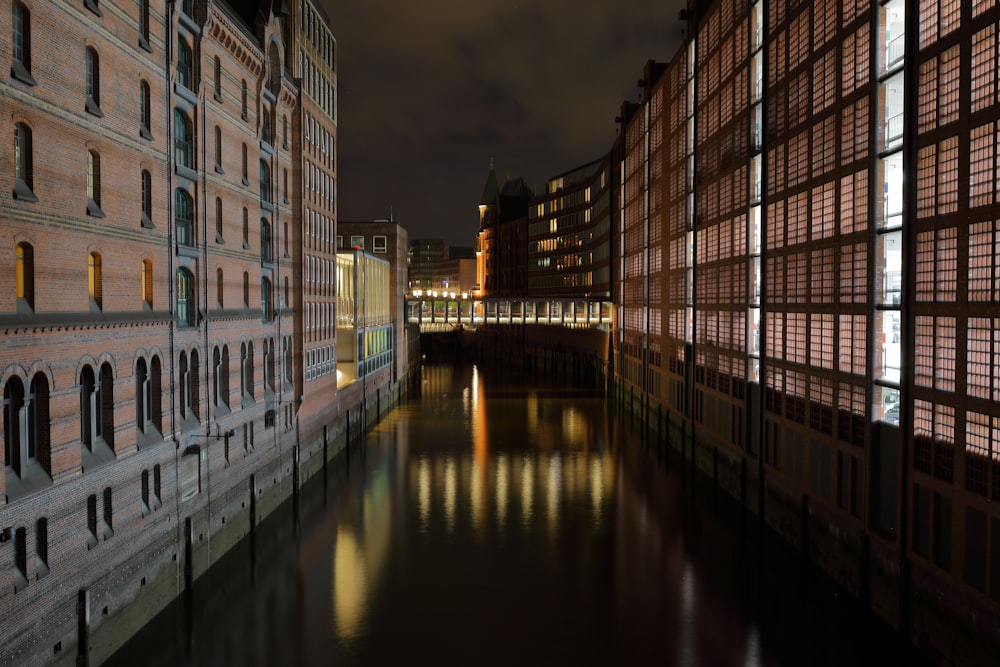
[[246, 289], [93, 82], [144, 110], [265, 181], [183, 150], [265, 241], [41, 547], [183, 219], [219, 287], [23, 167], [144, 23], [244, 110], [185, 75], [21, 43], [265, 306], [147, 199], [185, 297], [218, 79], [94, 183]]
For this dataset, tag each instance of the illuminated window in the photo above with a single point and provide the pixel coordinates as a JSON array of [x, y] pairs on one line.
[[147, 282], [94, 279], [24, 274]]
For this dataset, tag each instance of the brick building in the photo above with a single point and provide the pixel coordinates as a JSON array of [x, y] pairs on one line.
[[167, 358]]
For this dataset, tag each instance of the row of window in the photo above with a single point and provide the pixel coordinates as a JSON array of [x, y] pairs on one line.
[[27, 427], [186, 310]]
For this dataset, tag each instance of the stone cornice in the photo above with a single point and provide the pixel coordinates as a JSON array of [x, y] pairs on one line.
[[230, 37]]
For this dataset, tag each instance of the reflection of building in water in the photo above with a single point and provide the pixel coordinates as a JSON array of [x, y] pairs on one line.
[[561, 462], [360, 553]]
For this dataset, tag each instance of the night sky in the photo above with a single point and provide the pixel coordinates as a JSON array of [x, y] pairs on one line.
[[430, 91]]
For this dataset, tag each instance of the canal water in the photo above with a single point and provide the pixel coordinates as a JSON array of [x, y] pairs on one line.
[[494, 520]]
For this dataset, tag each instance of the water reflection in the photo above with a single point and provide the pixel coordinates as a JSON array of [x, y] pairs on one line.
[[493, 522]]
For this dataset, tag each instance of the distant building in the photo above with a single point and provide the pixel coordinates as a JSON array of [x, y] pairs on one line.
[[569, 234], [503, 237], [383, 240], [423, 255]]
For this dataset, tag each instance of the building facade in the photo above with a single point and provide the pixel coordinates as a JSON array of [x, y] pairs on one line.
[[502, 242], [806, 283], [169, 299], [569, 234]]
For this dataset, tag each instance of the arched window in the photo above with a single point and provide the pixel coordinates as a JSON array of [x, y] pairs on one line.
[[183, 150], [288, 360], [94, 279], [266, 311], [183, 217], [93, 82], [217, 399], [94, 184], [243, 370], [246, 173], [185, 298], [21, 42], [218, 219], [184, 65], [147, 199], [147, 282], [144, 24], [246, 289], [155, 410], [219, 287], [26, 425], [143, 397], [145, 110], [249, 369], [218, 149], [244, 111], [184, 380], [97, 407], [24, 274], [265, 241], [23, 163], [246, 229]]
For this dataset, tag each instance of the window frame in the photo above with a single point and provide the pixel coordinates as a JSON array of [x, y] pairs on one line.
[[93, 67], [24, 168], [20, 30]]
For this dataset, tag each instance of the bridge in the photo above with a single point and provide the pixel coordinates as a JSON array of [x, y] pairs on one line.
[[447, 311]]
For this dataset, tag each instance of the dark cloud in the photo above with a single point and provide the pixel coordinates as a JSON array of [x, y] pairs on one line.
[[430, 91]]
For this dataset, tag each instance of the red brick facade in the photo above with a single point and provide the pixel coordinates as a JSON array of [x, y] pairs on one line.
[[146, 366]]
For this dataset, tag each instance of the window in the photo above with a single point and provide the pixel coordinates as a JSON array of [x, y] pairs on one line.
[[24, 274], [94, 279], [246, 370], [284, 131], [218, 150], [220, 363], [246, 289], [147, 282], [265, 127], [21, 43], [23, 168], [97, 407], [147, 395], [243, 109], [184, 67], [288, 360], [183, 150], [188, 386], [219, 287], [378, 244], [183, 220], [358, 242], [265, 182], [26, 425], [147, 200], [94, 184], [108, 529], [246, 178], [265, 241], [144, 110], [265, 301], [92, 538], [218, 79], [246, 229], [20, 559], [185, 297], [218, 219], [144, 493], [144, 24], [93, 82]]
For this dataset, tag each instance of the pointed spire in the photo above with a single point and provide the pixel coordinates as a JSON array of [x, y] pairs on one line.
[[491, 193]]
